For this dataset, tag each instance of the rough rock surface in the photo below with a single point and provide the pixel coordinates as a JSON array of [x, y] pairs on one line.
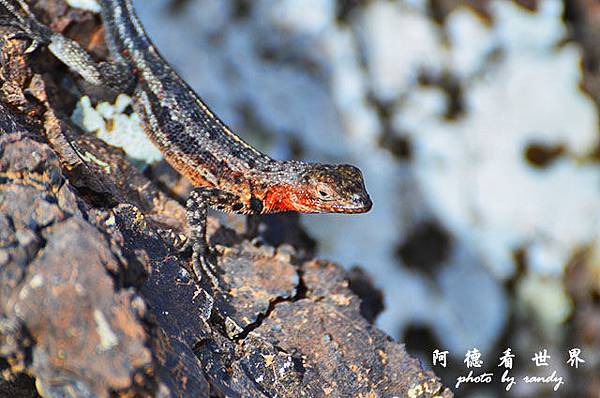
[[95, 299]]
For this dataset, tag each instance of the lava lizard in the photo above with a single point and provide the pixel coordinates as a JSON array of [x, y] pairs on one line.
[[228, 174]]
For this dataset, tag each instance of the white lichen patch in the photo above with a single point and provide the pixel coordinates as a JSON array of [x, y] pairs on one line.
[[309, 16], [475, 172], [108, 338], [399, 42], [90, 5], [553, 309], [112, 125], [36, 282], [471, 42]]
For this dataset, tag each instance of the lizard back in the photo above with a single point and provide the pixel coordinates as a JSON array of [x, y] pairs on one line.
[[194, 140]]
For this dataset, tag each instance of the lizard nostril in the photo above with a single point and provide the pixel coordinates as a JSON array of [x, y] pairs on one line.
[[366, 202]]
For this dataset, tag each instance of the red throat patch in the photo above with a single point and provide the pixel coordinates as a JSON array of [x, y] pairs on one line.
[[277, 199]]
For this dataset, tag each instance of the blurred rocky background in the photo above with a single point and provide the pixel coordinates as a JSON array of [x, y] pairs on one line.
[[96, 297], [476, 125]]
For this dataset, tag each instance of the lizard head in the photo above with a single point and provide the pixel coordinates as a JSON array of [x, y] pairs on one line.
[[329, 189]]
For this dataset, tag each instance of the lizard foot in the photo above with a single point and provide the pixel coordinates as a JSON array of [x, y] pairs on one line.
[[204, 262], [187, 248]]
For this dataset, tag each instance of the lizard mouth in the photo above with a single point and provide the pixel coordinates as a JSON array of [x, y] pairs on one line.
[[360, 205]]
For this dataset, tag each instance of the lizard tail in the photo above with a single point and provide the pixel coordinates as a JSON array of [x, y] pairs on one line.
[[65, 49], [23, 18], [125, 35]]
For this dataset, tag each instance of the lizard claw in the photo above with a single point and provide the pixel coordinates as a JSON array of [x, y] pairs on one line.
[[33, 46], [186, 248]]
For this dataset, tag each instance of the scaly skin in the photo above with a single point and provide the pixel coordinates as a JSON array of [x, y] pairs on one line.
[[230, 175], [200, 146]]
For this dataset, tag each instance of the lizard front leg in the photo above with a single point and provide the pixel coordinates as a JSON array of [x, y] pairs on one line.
[[200, 199]]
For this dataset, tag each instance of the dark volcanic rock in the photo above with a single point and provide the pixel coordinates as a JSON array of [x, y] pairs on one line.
[[97, 300]]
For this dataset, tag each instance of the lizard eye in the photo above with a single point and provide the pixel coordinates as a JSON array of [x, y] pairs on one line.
[[324, 192]]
